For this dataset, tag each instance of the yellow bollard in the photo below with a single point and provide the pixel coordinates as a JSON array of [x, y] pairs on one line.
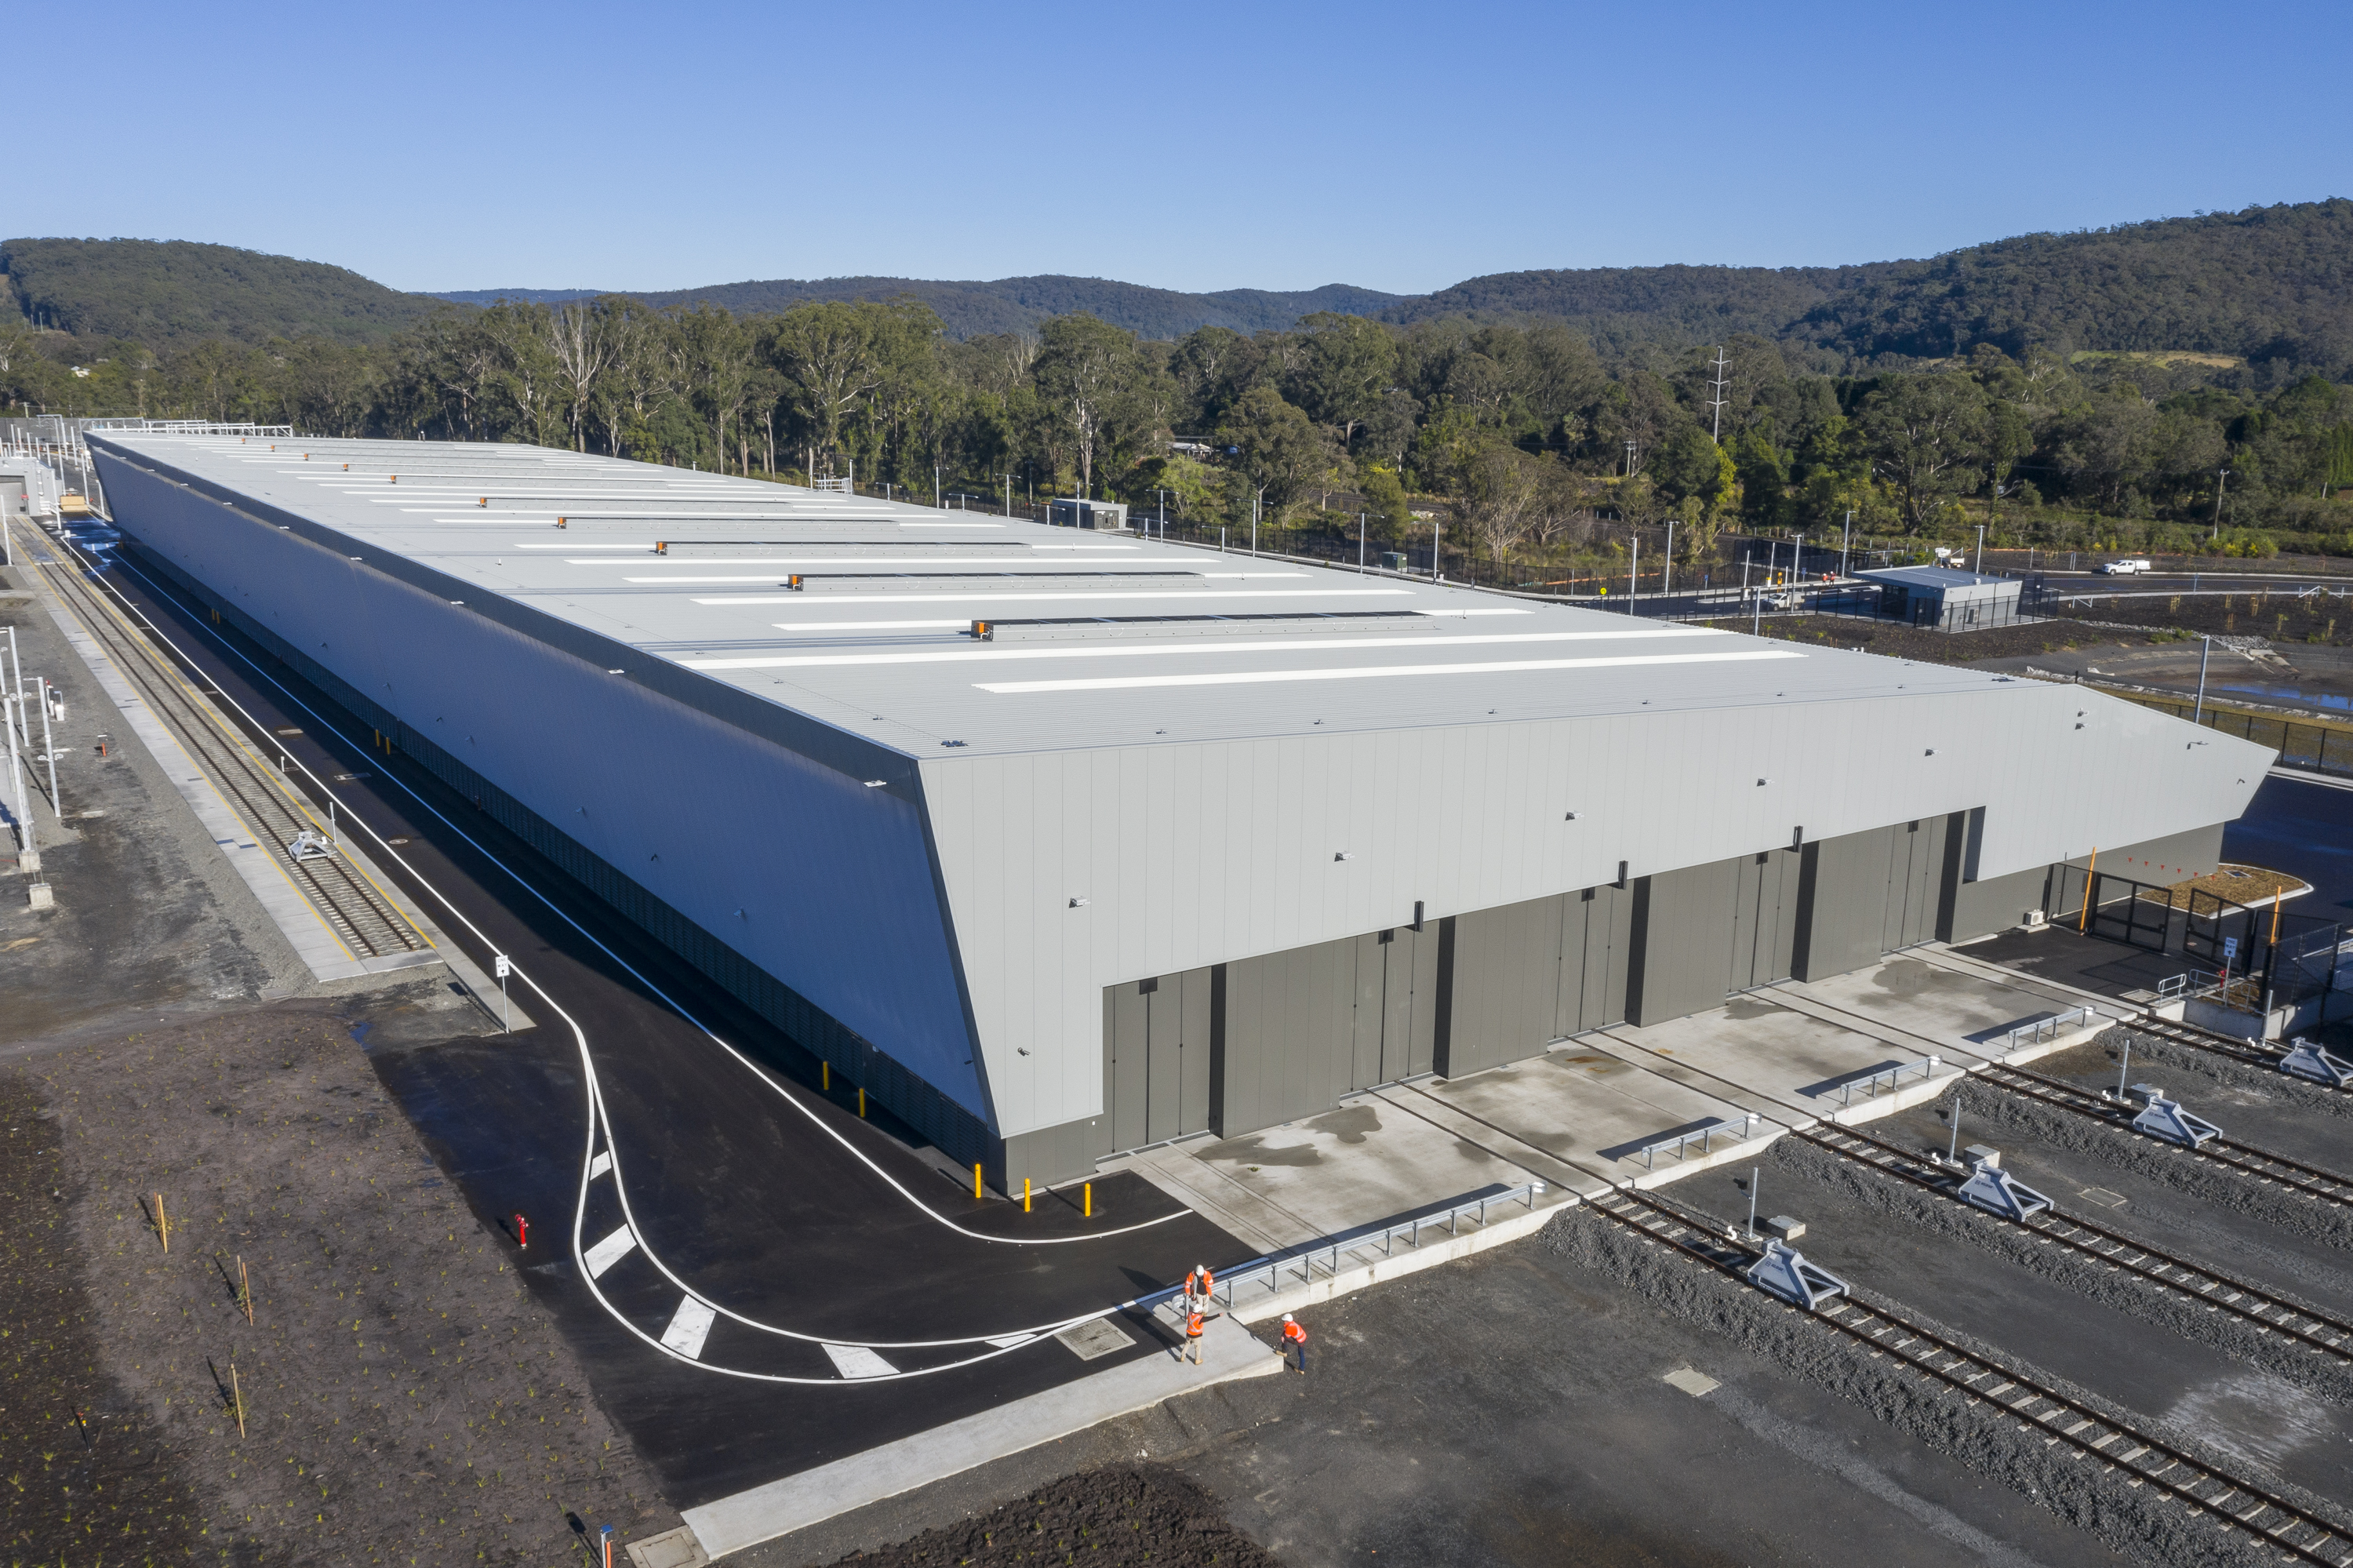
[[826, 1070], [1091, 1200], [1025, 1194], [861, 1099], [975, 1184]]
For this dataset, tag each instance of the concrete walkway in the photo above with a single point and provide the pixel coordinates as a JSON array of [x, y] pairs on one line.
[[781, 1507]]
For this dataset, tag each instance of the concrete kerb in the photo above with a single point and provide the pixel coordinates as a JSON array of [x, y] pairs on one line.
[[763, 1513]]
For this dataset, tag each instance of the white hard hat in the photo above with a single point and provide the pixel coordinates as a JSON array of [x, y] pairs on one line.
[[1286, 1317], [1200, 1268]]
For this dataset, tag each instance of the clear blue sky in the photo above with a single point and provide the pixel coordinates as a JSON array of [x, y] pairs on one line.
[[1206, 146]]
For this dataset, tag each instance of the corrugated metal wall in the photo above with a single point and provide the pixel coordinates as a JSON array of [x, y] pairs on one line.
[[841, 937]]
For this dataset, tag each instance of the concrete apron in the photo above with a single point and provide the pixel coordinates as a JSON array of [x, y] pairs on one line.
[[1555, 1119], [795, 1502]]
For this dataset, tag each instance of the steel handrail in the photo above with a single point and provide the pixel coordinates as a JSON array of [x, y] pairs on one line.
[[1273, 1272]]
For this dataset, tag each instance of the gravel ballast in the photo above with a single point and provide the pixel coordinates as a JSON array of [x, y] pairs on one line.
[[2327, 1376], [2230, 1073], [2176, 1168], [2140, 1520]]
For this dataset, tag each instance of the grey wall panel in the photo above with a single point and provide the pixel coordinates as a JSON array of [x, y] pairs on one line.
[[1127, 1040], [1981, 908], [2173, 858], [1686, 941], [791, 863], [1193, 1077], [1225, 848], [1371, 994], [1842, 903], [1507, 989]]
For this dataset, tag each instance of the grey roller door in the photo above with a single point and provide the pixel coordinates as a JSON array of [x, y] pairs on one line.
[[1156, 1035]]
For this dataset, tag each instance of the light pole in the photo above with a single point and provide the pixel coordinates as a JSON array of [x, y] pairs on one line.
[[1634, 574], [2205, 651], [1979, 569], [1846, 541], [1667, 582], [1360, 543]]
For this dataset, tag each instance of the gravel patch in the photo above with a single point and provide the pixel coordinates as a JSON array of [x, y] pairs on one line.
[[1113, 1517], [2200, 1179], [2136, 1521], [2111, 1287]]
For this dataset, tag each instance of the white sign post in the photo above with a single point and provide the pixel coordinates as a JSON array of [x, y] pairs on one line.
[[504, 966]]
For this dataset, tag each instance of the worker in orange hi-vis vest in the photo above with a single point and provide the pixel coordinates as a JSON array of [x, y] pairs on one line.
[[1294, 1340], [1199, 1285], [1195, 1322]]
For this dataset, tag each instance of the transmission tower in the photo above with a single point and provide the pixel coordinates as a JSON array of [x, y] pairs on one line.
[[1716, 403]]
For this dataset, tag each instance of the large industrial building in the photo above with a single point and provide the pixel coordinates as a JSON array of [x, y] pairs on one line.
[[1067, 841]]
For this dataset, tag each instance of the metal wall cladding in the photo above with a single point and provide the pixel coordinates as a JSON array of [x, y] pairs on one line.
[[1157, 1038], [1193, 853], [1307, 1026], [833, 880], [1528, 974]]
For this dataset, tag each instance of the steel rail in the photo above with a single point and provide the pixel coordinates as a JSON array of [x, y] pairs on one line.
[[2319, 1331], [2295, 1531], [2312, 1181], [2201, 1039], [362, 918]]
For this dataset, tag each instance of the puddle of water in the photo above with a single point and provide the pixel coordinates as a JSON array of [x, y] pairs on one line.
[[2296, 696], [2254, 1416]]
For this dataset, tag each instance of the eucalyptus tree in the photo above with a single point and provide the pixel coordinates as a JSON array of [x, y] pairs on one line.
[[1342, 372], [1084, 367]]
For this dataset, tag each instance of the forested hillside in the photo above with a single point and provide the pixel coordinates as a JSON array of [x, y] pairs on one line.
[[1008, 304], [2168, 386], [167, 293], [2269, 285]]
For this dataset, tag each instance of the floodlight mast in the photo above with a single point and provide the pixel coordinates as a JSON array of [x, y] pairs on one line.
[[1715, 430]]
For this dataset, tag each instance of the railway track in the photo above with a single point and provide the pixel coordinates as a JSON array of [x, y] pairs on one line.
[[2278, 1169], [2238, 1048], [2319, 1332], [361, 916], [2254, 1052], [2279, 1523]]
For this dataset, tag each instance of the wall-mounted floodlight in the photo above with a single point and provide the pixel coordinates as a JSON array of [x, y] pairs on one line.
[[1762, 782], [876, 783], [1077, 902], [1796, 838], [1930, 752], [1621, 876], [1416, 913], [1570, 817], [1342, 854]]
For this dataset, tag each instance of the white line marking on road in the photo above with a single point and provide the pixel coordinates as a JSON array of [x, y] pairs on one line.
[[689, 1328], [598, 1166], [608, 1251], [1007, 1342], [858, 1361]]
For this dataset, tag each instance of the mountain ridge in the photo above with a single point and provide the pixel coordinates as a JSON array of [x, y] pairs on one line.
[[2262, 282]]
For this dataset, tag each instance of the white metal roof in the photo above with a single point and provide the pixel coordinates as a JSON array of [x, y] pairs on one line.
[[877, 641]]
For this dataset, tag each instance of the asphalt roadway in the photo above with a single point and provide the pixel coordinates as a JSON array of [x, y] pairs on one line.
[[853, 1289]]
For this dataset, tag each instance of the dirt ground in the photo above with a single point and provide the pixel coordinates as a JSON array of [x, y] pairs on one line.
[[405, 1398], [1122, 1515], [2282, 617]]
